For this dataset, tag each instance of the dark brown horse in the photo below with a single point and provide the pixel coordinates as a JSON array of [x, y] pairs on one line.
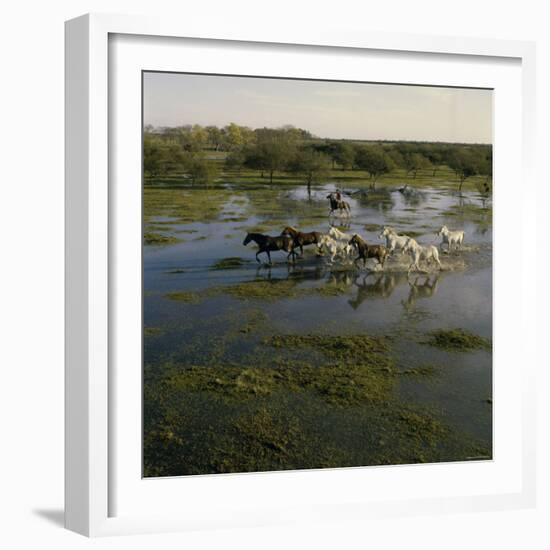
[[302, 239], [367, 251], [269, 244], [338, 204]]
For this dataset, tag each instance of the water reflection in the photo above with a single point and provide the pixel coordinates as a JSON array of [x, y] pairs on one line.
[[422, 286], [374, 285], [367, 286]]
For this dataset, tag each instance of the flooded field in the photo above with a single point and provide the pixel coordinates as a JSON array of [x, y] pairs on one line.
[[250, 367]]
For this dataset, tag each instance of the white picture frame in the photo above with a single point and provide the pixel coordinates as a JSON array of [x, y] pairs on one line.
[[94, 422]]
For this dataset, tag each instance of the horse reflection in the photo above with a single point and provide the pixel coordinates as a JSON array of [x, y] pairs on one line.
[[423, 286], [340, 278], [374, 285]]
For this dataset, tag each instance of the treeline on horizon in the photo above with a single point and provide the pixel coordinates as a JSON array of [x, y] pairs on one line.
[[188, 151]]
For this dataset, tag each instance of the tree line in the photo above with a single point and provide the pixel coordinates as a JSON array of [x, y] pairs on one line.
[[185, 150]]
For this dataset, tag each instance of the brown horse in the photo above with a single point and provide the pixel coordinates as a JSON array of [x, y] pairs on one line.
[[269, 244], [302, 239], [367, 251], [338, 204]]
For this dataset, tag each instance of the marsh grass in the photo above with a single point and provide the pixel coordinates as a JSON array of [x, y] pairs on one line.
[[457, 340], [229, 263], [158, 239]]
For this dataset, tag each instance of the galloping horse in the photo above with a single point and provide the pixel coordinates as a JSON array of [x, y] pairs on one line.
[[367, 251], [419, 252], [336, 205], [450, 238], [269, 244], [302, 239]]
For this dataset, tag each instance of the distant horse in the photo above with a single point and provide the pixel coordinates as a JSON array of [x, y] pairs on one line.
[[450, 238], [269, 244], [338, 205], [367, 251], [302, 239]]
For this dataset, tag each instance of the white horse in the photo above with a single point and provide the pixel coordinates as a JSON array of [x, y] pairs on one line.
[[338, 235], [393, 240], [450, 238], [419, 252], [335, 248]]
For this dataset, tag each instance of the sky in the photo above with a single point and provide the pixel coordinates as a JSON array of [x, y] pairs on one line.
[[338, 110]]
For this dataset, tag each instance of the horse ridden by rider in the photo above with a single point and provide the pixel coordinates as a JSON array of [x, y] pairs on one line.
[[337, 204]]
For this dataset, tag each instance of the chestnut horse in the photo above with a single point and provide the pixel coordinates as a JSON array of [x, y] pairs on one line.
[[367, 251], [302, 239]]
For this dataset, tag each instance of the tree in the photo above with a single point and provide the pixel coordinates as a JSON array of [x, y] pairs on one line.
[[311, 164], [161, 157], [235, 160], [344, 154], [485, 168], [465, 164], [199, 136], [272, 152], [201, 171], [190, 140], [415, 162], [435, 156], [375, 161], [215, 137], [153, 157], [397, 157]]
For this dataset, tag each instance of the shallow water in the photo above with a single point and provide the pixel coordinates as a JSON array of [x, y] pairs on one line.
[[209, 330]]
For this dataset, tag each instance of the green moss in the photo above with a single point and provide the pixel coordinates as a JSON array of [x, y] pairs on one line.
[[481, 216], [183, 203], [423, 370], [414, 234], [329, 290], [159, 239], [340, 383], [152, 331], [372, 227], [338, 347], [457, 340], [229, 263], [185, 296], [260, 290]]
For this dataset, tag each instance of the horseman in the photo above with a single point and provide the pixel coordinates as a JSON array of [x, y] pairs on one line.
[[337, 204]]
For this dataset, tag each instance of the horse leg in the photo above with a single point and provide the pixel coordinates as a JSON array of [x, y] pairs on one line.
[[269, 256], [258, 259]]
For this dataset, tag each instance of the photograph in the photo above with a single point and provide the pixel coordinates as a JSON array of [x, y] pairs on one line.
[[317, 274]]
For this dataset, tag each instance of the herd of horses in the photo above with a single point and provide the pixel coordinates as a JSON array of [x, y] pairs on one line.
[[353, 247]]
